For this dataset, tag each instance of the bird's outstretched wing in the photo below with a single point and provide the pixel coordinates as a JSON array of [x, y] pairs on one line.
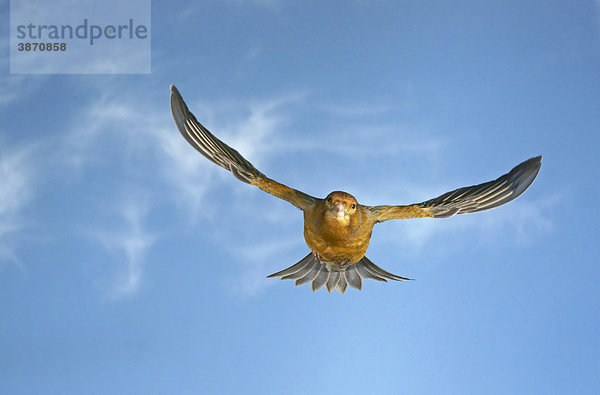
[[468, 199], [221, 154]]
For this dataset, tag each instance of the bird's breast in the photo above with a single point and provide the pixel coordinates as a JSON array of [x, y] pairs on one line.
[[335, 240]]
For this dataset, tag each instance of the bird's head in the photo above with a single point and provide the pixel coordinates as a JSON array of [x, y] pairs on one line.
[[341, 205]]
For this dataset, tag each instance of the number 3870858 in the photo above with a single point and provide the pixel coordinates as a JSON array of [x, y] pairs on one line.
[[42, 47]]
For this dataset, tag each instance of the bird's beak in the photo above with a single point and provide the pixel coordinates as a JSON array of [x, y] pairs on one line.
[[339, 211]]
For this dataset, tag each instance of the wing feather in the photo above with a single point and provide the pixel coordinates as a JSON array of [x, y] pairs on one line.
[[468, 199], [228, 158]]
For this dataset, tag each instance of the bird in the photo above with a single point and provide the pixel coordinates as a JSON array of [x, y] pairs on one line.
[[337, 228]]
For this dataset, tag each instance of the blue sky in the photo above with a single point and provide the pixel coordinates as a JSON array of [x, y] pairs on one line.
[[131, 264]]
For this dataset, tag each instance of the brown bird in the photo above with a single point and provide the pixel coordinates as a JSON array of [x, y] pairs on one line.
[[337, 229]]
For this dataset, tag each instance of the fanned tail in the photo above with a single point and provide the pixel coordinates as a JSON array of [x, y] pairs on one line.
[[318, 273]]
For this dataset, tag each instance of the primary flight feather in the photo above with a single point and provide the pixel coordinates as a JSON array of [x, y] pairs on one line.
[[337, 229]]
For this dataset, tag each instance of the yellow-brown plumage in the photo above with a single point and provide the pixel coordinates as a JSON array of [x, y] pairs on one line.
[[337, 229], [341, 240]]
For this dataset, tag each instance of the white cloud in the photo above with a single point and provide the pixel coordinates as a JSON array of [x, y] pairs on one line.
[[130, 241], [256, 261], [150, 132], [522, 221], [147, 153], [518, 223], [372, 141], [156, 158], [16, 192]]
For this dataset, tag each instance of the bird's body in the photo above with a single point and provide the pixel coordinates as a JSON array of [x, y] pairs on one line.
[[337, 232], [337, 229]]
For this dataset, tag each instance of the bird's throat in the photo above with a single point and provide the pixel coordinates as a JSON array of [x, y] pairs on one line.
[[341, 217]]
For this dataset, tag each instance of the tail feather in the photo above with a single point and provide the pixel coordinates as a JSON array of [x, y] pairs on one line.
[[311, 273], [376, 270], [292, 269], [342, 285], [334, 277], [320, 280], [364, 273], [352, 277], [311, 269], [301, 272]]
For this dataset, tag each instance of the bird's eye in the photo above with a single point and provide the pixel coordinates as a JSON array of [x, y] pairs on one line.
[[328, 200], [353, 206]]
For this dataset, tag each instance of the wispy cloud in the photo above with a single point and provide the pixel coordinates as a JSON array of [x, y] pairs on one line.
[[16, 192], [256, 261], [374, 140], [136, 140], [519, 224], [151, 155], [255, 135], [113, 134], [129, 241], [526, 219]]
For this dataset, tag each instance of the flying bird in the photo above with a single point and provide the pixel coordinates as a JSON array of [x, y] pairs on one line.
[[337, 228]]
